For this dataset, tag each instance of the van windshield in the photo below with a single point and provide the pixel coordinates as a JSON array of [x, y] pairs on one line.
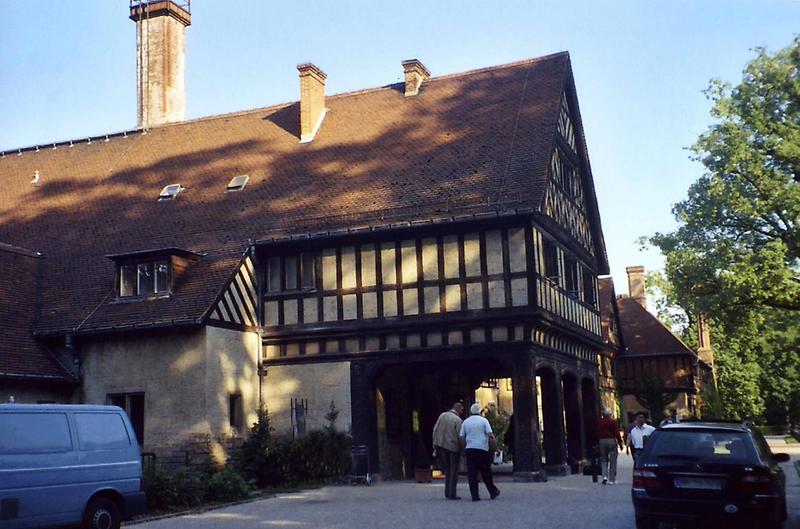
[[34, 433], [709, 446]]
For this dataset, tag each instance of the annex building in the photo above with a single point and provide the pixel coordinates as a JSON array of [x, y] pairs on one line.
[[383, 251]]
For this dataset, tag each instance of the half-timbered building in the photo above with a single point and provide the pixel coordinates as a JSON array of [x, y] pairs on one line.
[[381, 251], [648, 359]]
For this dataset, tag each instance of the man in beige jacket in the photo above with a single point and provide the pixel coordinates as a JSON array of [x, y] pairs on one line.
[[446, 444]]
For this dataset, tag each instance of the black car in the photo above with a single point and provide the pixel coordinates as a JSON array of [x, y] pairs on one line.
[[709, 473]]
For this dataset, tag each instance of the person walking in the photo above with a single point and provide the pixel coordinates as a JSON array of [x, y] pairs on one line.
[[610, 445], [477, 437], [447, 445], [637, 435]]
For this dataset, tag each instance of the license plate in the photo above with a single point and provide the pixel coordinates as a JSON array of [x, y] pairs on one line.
[[698, 483]]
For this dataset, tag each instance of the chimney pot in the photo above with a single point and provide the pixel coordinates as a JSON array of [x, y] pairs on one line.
[[636, 284], [415, 73], [312, 100]]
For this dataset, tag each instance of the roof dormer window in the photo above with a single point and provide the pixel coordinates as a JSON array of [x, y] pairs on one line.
[[144, 279], [151, 273], [170, 192]]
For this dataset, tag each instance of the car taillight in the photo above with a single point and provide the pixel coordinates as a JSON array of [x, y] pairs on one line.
[[755, 485], [646, 479]]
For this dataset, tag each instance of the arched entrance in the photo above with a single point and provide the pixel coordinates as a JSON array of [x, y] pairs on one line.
[[551, 420], [573, 419], [590, 411]]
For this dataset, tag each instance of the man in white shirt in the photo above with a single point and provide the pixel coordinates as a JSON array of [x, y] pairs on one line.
[[477, 437], [637, 436]]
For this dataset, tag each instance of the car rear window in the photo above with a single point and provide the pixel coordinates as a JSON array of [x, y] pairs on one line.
[[101, 431], [716, 446], [34, 433]]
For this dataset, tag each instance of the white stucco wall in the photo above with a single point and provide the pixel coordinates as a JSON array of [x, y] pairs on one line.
[[319, 384], [186, 376]]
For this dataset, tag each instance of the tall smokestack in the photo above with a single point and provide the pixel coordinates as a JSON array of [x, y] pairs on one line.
[[636, 285], [160, 59]]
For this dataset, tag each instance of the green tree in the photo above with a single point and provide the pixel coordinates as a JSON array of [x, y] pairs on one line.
[[738, 243], [736, 252]]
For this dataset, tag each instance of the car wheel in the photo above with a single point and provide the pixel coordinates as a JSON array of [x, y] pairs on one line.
[[102, 513], [646, 522]]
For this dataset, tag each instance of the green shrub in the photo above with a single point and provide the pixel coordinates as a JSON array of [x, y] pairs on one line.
[[228, 485], [160, 488], [318, 456], [171, 490]]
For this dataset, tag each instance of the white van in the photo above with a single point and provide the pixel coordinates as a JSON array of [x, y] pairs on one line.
[[68, 464]]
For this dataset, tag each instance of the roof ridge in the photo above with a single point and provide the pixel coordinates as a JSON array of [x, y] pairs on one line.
[[276, 106], [659, 322]]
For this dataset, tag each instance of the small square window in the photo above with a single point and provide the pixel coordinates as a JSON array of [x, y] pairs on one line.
[[237, 183], [235, 411], [290, 265], [127, 280], [146, 279], [274, 274], [308, 270], [170, 192], [162, 276]]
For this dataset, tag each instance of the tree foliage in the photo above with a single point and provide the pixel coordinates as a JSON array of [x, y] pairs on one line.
[[738, 242], [736, 252]]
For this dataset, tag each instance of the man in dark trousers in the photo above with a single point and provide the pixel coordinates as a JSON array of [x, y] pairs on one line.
[[477, 437], [446, 444]]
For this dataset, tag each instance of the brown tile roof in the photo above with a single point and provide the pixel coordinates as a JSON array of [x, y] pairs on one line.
[[644, 334], [468, 143], [21, 356]]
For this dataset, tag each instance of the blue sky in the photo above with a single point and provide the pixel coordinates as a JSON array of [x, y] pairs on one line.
[[67, 70]]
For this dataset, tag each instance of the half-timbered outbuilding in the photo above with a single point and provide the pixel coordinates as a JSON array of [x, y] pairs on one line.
[[381, 251]]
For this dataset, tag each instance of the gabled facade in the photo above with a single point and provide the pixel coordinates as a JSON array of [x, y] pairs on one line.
[[648, 357], [388, 251]]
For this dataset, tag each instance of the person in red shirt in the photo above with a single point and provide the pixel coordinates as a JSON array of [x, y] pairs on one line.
[[610, 440]]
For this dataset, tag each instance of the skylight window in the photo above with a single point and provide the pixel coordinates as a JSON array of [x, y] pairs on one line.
[[237, 183], [170, 192]]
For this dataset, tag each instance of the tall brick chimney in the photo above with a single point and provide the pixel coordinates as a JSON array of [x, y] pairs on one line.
[[636, 286], [160, 59], [312, 100], [415, 73], [704, 350]]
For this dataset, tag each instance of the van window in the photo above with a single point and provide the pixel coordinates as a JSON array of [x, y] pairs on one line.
[[34, 433], [101, 431]]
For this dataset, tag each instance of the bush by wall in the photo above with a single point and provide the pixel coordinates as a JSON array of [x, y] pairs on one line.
[[168, 491], [320, 455]]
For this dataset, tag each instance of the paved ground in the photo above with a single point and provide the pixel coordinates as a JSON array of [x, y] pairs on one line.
[[571, 502]]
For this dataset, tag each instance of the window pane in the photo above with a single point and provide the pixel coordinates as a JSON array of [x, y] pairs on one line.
[[101, 431], [588, 288], [127, 280], [136, 414], [308, 270], [550, 259], [274, 274], [571, 272], [145, 278], [34, 433], [291, 273], [162, 276], [235, 410]]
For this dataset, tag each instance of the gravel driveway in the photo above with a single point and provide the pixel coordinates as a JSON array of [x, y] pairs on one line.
[[571, 502]]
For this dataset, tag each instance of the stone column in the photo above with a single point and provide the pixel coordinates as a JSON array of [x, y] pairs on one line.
[[553, 411], [363, 409], [527, 459]]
